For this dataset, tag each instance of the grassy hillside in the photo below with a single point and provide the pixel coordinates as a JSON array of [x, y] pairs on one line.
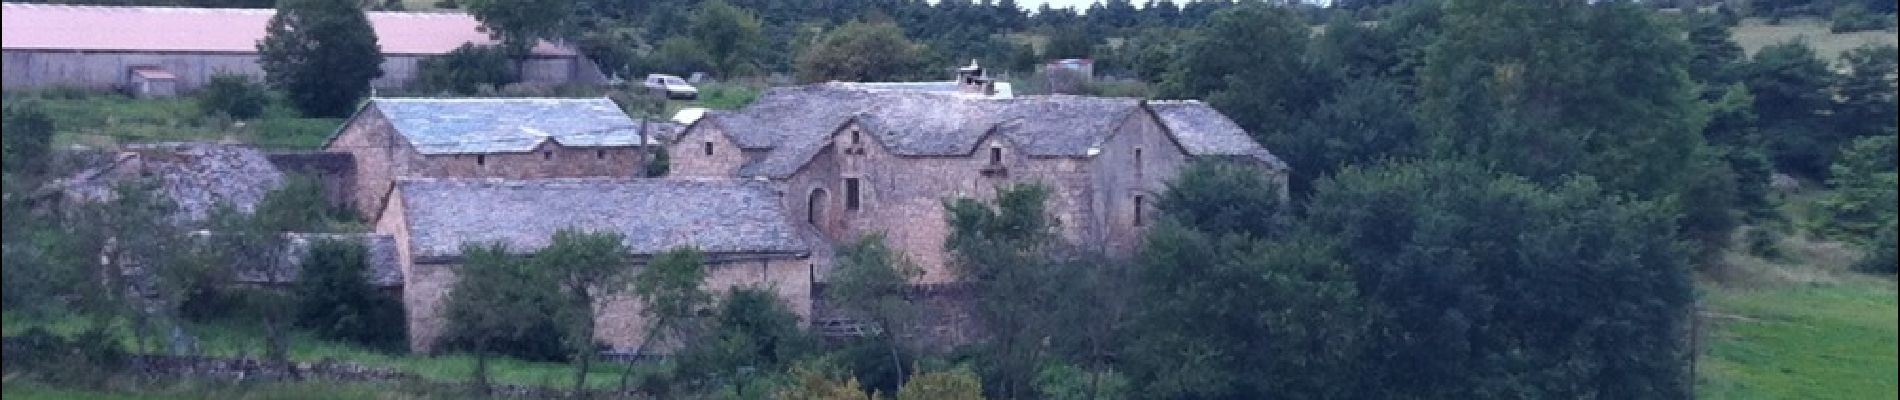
[[1755, 33], [100, 119], [1799, 327]]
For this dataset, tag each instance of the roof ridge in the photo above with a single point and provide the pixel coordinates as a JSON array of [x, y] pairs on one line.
[[187, 9]]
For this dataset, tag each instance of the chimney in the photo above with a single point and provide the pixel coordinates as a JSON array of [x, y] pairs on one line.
[[972, 80]]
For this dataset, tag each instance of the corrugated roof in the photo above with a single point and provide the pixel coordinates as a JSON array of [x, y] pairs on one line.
[[231, 30], [512, 125], [1202, 130], [655, 215]]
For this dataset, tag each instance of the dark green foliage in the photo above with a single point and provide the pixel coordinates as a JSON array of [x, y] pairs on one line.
[[1367, 120], [1853, 17], [1225, 198], [1068, 43], [1717, 60], [658, 164], [86, 359], [497, 305], [730, 36], [1241, 65], [233, 95], [322, 54], [1881, 256], [1708, 206], [1790, 86], [336, 300], [1867, 92], [1485, 285], [869, 281], [1550, 89], [585, 267], [467, 70], [522, 23], [1866, 195], [845, 54], [753, 334], [28, 140]]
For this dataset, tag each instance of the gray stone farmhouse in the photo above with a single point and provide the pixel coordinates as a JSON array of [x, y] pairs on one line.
[[766, 191], [159, 51]]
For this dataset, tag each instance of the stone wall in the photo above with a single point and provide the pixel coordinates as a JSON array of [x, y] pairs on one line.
[[336, 172], [618, 322], [704, 151]]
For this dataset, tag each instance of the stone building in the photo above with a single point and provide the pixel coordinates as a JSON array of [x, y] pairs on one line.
[[738, 224], [158, 51], [851, 159], [516, 138]]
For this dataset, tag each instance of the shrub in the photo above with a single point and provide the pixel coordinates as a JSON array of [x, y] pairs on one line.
[[1854, 18], [1881, 256], [467, 70], [233, 95], [336, 300]]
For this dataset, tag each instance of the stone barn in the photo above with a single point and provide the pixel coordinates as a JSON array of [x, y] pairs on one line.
[[155, 51], [515, 138], [738, 224]]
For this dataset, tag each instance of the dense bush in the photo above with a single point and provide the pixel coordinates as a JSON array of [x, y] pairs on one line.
[[467, 70], [233, 95], [336, 300], [1854, 17]]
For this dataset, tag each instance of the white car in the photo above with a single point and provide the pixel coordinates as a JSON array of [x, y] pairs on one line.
[[673, 86]]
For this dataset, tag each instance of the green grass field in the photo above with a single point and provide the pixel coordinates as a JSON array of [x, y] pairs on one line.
[[1755, 33], [104, 119]]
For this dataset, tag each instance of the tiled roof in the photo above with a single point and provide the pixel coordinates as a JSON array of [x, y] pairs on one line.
[[1202, 130], [503, 125], [225, 30], [717, 215]]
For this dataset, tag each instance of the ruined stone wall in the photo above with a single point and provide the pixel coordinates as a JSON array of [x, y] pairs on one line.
[[689, 156], [550, 160], [903, 197], [335, 171]]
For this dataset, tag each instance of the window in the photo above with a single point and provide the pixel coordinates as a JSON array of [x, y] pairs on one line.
[[1137, 160], [1138, 204], [855, 140], [547, 155], [851, 200], [600, 154], [996, 155], [481, 159], [708, 148]]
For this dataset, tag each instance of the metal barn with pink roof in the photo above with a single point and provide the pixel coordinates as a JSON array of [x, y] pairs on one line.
[[101, 47]]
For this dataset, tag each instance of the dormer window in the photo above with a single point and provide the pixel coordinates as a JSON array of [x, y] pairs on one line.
[[709, 148], [856, 139], [996, 155], [547, 155]]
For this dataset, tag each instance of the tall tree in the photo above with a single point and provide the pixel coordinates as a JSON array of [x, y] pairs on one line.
[[869, 280], [1550, 89], [336, 300], [586, 267], [1486, 285], [1867, 92], [669, 287], [1244, 63], [730, 35], [496, 296], [322, 54], [860, 52], [28, 140], [1791, 88], [521, 23]]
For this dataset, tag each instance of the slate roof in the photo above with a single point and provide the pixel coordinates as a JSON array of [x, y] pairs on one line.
[[1202, 130], [716, 215], [220, 30], [197, 177], [385, 270], [512, 125], [795, 122]]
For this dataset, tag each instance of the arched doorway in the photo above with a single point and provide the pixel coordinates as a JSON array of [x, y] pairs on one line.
[[815, 210]]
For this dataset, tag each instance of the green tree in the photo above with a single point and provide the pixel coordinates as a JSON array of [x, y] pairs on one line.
[[1550, 89], [1225, 198], [28, 141], [1365, 121], [753, 332], [860, 52], [1716, 59], [117, 242], [868, 280], [669, 287], [322, 54], [1241, 64], [256, 245], [496, 298], [1866, 192], [586, 267], [731, 36], [467, 70], [1483, 285], [233, 95], [520, 24], [336, 300], [1791, 88], [1867, 92], [1004, 251]]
